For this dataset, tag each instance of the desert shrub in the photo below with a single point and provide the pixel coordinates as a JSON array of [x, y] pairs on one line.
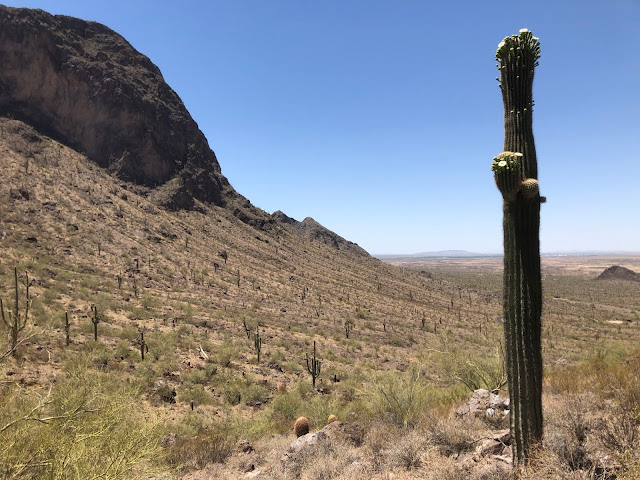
[[195, 393], [284, 408], [485, 369], [227, 352], [299, 401], [451, 438], [236, 390], [212, 444], [150, 302], [128, 332], [406, 452], [401, 398], [377, 439], [569, 428], [123, 350], [86, 426]]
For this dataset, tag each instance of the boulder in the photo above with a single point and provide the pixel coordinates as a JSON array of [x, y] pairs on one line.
[[302, 448], [484, 404], [351, 433]]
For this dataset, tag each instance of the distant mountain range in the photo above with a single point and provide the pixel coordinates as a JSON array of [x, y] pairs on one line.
[[465, 253]]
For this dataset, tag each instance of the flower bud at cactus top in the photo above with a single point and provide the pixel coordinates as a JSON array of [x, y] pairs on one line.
[[524, 42]]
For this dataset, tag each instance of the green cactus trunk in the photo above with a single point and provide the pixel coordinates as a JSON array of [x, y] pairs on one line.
[[516, 172]]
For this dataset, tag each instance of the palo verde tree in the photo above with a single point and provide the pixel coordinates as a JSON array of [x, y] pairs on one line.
[[516, 172]]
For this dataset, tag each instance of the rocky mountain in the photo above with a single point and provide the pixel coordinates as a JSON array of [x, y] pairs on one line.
[[312, 230], [85, 86], [617, 272]]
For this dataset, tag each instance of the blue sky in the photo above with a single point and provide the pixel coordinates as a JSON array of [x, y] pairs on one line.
[[380, 118]]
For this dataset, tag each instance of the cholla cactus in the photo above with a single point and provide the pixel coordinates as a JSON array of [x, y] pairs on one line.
[[516, 173]]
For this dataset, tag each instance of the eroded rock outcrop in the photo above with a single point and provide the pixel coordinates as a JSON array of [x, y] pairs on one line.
[[86, 86]]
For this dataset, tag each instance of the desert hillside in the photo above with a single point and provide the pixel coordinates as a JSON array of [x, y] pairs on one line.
[[166, 328]]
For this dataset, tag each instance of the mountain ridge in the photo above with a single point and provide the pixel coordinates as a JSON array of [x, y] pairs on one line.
[[83, 84]]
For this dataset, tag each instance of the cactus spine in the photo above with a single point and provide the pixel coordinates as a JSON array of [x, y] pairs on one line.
[[314, 367], [515, 172]]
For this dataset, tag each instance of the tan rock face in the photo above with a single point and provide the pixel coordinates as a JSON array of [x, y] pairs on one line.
[[85, 85]]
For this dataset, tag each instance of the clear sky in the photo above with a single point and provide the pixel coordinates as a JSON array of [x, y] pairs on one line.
[[380, 118]]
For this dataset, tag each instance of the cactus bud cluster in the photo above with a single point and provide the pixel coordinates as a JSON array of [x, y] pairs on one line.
[[524, 43], [508, 170]]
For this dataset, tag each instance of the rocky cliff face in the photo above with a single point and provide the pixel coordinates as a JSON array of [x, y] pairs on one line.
[[83, 84]]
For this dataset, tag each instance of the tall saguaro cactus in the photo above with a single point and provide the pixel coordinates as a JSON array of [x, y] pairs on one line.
[[516, 173]]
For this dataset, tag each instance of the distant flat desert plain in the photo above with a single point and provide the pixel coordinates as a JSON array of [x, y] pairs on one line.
[[583, 265]]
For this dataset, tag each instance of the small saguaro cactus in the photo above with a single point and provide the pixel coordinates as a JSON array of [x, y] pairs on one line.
[[313, 367], [95, 319], [67, 328], [14, 320], [515, 172], [257, 343], [144, 346], [348, 326], [246, 329]]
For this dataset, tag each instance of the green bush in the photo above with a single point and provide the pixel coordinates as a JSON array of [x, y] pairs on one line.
[[399, 398], [87, 426]]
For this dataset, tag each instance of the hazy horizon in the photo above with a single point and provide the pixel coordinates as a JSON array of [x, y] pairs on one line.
[[380, 119], [463, 253]]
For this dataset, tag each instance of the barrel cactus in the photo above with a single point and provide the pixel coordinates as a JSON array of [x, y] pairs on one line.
[[516, 172], [301, 427]]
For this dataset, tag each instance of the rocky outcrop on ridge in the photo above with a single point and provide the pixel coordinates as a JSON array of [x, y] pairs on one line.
[[313, 230]]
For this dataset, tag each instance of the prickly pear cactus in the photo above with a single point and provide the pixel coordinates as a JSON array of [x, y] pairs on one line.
[[516, 171]]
